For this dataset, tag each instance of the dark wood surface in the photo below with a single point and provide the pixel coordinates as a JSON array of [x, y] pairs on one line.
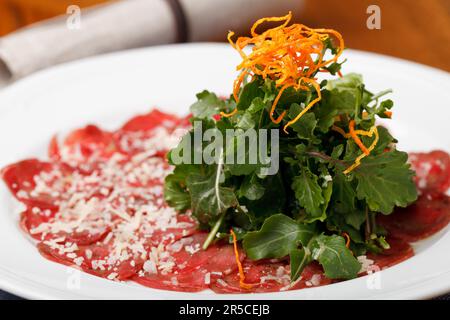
[[417, 30], [15, 14]]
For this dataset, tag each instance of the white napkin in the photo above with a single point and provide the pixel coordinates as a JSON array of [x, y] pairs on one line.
[[123, 25]]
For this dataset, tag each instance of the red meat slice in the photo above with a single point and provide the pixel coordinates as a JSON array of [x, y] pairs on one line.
[[189, 283], [52, 254], [432, 170], [151, 120], [98, 251], [217, 258], [192, 270], [31, 218], [264, 276], [429, 214], [20, 177], [126, 270], [400, 251], [144, 127], [312, 270], [53, 149], [254, 271], [85, 237], [88, 141]]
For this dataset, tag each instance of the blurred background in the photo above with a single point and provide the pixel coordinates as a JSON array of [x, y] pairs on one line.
[[417, 30]]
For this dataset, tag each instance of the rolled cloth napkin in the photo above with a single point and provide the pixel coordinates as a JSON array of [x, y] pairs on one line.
[[127, 24]]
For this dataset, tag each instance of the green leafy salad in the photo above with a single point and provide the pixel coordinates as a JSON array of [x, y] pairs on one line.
[[337, 169]]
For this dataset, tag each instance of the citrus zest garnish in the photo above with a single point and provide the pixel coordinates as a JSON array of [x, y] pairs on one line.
[[366, 151], [309, 106], [239, 264], [289, 55], [227, 115], [347, 239], [275, 102], [387, 113], [370, 133], [347, 135], [354, 135]]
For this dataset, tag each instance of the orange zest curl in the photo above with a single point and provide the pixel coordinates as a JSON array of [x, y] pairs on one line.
[[388, 114], [354, 135], [239, 264], [289, 55], [275, 102], [236, 85], [309, 106], [370, 133], [227, 115], [347, 239]]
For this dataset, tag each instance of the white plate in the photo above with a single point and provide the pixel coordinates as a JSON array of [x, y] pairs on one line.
[[108, 90]]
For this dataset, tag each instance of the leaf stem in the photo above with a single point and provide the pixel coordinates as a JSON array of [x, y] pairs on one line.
[[368, 229], [326, 158], [217, 181], [213, 232], [373, 222], [380, 94]]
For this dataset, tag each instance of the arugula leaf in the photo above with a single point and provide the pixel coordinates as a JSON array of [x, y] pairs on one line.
[[346, 93], [175, 192], [327, 192], [355, 218], [346, 101], [187, 152], [385, 181], [251, 188], [384, 141], [299, 259], [384, 106], [208, 198], [325, 112], [278, 236], [344, 195], [245, 154], [271, 202], [342, 96], [334, 68], [336, 259], [308, 192], [349, 81], [337, 151], [305, 125], [207, 105], [256, 106], [246, 122], [250, 91]]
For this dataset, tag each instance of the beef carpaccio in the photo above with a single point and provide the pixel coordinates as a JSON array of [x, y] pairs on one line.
[[97, 204]]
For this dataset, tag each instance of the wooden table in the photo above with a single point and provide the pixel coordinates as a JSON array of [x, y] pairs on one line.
[[417, 30]]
